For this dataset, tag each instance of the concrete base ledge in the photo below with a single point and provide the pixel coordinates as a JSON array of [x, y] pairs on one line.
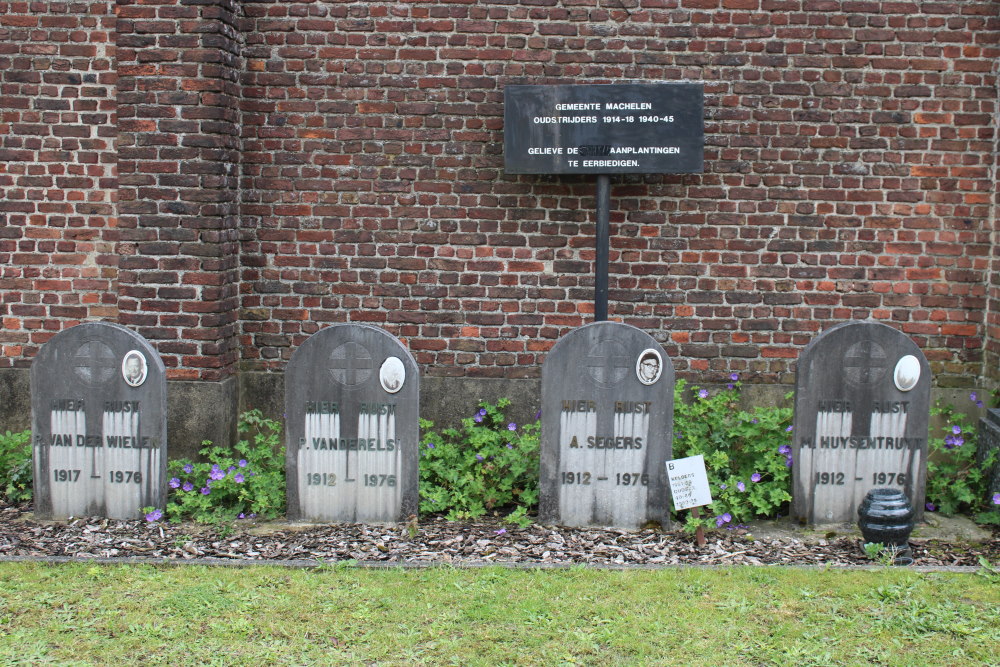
[[468, 565]]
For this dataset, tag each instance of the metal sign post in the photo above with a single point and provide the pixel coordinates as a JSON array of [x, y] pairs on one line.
[[650, 128]]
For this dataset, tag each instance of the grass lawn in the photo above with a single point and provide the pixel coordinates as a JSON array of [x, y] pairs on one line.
[[105, 614]]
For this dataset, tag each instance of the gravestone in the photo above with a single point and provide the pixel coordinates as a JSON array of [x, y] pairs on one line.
[[862, 403], [988, 440], [607, 416], [351, 410], [99, 428]]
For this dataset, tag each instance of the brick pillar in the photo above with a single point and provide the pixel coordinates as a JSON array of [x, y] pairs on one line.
[[178, 111]]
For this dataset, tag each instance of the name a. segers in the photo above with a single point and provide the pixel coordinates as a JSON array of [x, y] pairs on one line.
[[608, 442]]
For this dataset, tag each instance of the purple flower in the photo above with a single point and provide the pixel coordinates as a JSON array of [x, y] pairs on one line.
[[784, 449], [930, 507], [155, 515], [216, 475], [482, 412], [230, 469], [538, 415], [788, 461], [512, 426], [957, 430], [755, 477], [478, 419], [724, 518], [723, 487], [703, 393], [430, 445], [188, 469], [996, 498], [730, 386], [501, 531], [479, 457], [242, 463], [973, 397], [241, 516], [789, 429], [239, 478], [205, 490], [174, 483], [753, 421], [510, 446], [188, 486], [953, 441], [741, 486], [734, 376], [979, 404]]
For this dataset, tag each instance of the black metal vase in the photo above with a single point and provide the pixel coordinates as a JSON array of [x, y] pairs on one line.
[[886, 517]]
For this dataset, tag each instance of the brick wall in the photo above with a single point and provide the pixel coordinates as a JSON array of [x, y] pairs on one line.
[[57, 171], [286, 165], [849, 172]]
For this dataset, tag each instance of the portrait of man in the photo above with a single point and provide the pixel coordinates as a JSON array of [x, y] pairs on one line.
[[649, 366], [134, 368], [392, 374]]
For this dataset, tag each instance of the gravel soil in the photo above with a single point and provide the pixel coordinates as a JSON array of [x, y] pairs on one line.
[[438, 542]]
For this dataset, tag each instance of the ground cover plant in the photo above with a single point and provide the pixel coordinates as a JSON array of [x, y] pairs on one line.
[[15, 466], [489, 464], [84, 613], [956, 481], [228, 484], [747, 453]]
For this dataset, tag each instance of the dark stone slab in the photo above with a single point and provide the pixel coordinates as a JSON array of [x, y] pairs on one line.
[[606, 429], [862, 403], [989, 441], [199, 411], [351, 399], [99, 427]]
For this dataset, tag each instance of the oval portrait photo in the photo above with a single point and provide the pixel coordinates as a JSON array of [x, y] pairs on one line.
[[134, 368], [649, 366]]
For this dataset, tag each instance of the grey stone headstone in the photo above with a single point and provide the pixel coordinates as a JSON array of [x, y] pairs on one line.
[[99, 424], [351, 412], [607, 423], [862, 403], [989, 441]]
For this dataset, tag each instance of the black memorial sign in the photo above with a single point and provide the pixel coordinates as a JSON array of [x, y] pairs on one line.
[[99, 426], [351, 395], [604, 129]]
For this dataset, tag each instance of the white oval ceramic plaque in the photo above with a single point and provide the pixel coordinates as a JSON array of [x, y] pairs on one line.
[[907, 373]]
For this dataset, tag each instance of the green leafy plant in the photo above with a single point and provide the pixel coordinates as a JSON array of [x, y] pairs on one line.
[[747, 454], [956, 482], [15, 466], [488, 465], [243, 482], [880, 553]]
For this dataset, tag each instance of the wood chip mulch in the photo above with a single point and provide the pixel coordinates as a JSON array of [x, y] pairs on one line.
[[440, 542]]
